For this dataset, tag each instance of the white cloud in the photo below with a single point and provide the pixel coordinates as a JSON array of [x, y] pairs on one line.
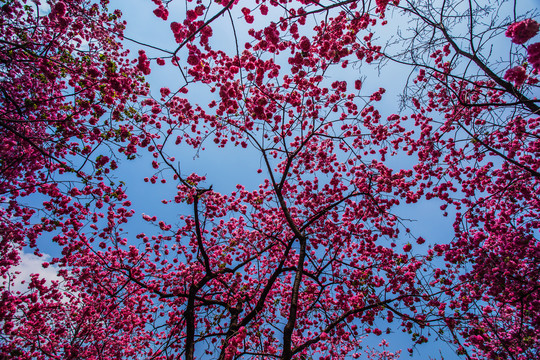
[[30, 264]]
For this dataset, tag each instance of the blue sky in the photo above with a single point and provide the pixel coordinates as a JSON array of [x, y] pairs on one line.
[[224, 168]]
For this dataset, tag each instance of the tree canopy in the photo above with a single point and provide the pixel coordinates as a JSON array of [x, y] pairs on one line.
[[318, 261]]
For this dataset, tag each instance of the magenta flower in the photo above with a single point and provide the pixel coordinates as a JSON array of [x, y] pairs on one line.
[[517, 75], [522, 31], [534, 55]]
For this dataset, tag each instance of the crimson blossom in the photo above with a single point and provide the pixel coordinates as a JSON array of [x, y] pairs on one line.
[[478, 151], [313, 263], [66, 105]]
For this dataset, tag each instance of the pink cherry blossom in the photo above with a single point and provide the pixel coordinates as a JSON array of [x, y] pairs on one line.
[[522, 31], [311, 255], [533, 51], [517, 75]]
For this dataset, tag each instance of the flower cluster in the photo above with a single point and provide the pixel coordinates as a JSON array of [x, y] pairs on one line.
[[143, 63], [534, 56], [517, 75], [522, 31]]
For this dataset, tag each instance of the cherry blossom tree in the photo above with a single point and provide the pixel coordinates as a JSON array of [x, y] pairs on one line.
[[478, 114], [67, 96], [314, 261]]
